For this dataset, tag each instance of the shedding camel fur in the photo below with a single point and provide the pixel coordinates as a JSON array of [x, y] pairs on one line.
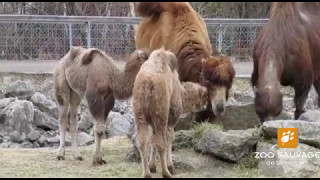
[[158, 100], [93, 75]]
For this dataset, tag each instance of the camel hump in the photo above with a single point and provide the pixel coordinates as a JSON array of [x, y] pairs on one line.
[[146, 9], [88, 56]]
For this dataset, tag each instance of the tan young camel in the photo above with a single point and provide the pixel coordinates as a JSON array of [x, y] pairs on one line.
[[158, 100], [93, 75]]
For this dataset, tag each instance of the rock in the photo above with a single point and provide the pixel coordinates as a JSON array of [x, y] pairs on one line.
[[183, 139], [119, 125], [42, 140], [241, 117], [42, 120], [15, 137], [33, 135], [308, 132], [45, 104], [27, 144], [185, 121], [247, 97], [2, 96], [264, 146], [83, 139], [5, 144], [311, 116], [35, 145], [5, 102], [19, 116], [21, 89], [133, 155], [232, 145], [302, 162], [47, 88], [124, 106], [1, 138], [15, 145], [86, 121]]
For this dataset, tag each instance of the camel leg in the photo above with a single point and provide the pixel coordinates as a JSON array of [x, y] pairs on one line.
[[96, 107], [300, 98], [143, 145], [63, 123], [161, 145], [75, 101], [171, 136], [317, 88], [153, 157]]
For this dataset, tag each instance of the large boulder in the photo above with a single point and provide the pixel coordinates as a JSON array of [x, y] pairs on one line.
[[86, 121], [5, 102], [21, 89], [44, 121], [119, 125], [232, 145], [123, 106], [311, 116], [83, 139], [239, 117], [44, 104], [18, 116], [300, 162], [308, 132]]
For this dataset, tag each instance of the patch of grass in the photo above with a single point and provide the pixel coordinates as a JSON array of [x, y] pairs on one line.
[[247, 168], [202, 128]]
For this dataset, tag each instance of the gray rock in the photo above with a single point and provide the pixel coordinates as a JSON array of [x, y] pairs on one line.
[[21, 89], [185, 121], [264, 146], [42, 120], [86, 121], [42, 140], [35, 145], [83, 139], [124, 106], [19, 116], [2, 96], [47, 88], [119, 125], [44, 104], [27, 144], [232, 145], [183, 139], [15, 145], [308, 132], [15, 137], [311, 116], [33, 135], [133, 155], [1, 138], [5, 102], [242, 117], [5, 144], [291, 162]]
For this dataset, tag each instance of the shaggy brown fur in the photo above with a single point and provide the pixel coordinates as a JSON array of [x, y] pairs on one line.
[[158, 100], [177, 27], [286, 53], [93, 75]]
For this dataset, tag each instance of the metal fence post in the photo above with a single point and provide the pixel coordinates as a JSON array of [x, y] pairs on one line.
[[220, 38], [70, 35], [89, 35]]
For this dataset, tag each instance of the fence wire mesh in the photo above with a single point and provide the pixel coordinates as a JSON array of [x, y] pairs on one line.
[[41, 40]]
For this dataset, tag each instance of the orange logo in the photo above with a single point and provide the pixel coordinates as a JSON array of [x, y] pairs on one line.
[[287, 137]]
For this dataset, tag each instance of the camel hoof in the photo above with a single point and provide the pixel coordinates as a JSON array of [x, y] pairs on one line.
[[60, 158], [165, 175], [148, 176], [153, 169], [99, 162], [171, 169], [79, 158]]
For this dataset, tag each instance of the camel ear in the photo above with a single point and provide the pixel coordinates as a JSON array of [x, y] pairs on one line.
[[75, 51]]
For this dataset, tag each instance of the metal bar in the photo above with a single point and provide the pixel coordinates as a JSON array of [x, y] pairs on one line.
[[89, 35], [70, 35]]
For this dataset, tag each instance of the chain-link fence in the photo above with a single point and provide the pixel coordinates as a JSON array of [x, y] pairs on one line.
[[50, 37]]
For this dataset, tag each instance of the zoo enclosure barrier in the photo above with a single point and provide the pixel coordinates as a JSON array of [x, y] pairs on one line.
[[34, 37]]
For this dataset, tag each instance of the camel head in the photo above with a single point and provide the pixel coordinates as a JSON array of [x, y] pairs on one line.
[[195, 97], [268, 101], [217, 76], [136, 59]]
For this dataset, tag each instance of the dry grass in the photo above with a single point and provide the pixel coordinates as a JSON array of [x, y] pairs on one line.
[[42, 163]]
